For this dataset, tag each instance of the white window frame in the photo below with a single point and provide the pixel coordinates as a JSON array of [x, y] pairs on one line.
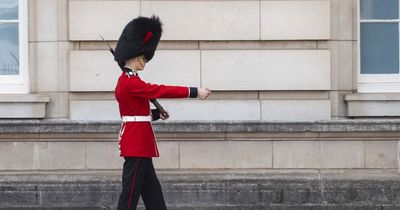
[[375, 83], [12, 84]]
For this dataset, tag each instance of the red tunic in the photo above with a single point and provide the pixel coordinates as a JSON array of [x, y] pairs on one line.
[[137, 139]]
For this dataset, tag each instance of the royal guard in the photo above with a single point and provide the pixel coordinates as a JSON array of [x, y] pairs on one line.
[[137, 143]]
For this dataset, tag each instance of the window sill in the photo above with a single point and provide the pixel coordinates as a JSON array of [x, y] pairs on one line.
[[373, 105], [23, 106]]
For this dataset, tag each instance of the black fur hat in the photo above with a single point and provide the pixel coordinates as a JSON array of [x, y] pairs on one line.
[[139, 37]]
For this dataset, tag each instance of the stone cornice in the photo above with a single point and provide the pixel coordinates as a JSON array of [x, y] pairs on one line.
[[68, 126]]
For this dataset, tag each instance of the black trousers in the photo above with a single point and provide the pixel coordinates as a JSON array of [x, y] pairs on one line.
[[139, 179]]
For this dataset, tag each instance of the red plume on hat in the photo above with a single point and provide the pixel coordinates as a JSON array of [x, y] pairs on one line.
[[139, 37]]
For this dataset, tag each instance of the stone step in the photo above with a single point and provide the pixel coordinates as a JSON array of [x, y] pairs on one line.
[[273, 207], [217, 189]]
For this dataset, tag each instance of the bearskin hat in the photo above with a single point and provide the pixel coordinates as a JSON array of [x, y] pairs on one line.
[[139, 37]]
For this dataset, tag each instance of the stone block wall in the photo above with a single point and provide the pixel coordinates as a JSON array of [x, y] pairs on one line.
[[283, 56], [276, 63], [292, 50], [86, 146]]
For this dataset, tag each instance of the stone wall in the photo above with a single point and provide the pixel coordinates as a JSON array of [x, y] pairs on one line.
[[76, 145], [280, 56], [283, 56]]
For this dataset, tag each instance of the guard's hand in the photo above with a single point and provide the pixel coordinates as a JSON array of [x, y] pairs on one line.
[[163, 117], [203, 93]]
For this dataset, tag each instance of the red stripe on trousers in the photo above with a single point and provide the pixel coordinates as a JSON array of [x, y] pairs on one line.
[[133, 184]]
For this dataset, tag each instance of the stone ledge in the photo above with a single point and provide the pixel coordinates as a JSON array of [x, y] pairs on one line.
[[25, 106], [373, 97], [68, 126], [373, 105], [23, 98], [8, 176], [215, 189]]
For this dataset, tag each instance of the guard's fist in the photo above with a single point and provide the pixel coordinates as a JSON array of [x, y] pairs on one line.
[[203, 93]]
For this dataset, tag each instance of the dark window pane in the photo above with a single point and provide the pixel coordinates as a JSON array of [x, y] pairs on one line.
[[379, 48], [379, 9], [9, 53], [8, 9]]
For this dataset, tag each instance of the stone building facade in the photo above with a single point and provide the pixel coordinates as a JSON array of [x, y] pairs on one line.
[[300, 91]]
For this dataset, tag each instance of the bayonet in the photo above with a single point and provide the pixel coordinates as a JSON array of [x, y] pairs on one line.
[[109, 47]]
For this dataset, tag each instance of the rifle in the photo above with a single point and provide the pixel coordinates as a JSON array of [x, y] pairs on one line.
[[153, 100]]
